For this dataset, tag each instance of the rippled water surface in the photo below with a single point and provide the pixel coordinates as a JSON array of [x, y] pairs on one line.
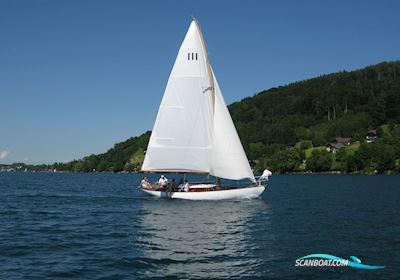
[[99, 226]]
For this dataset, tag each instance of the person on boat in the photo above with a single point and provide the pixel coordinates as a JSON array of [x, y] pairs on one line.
[[145, 183], [170, 187], [266, 174], [173, 185], [162, 182], [186, 186]]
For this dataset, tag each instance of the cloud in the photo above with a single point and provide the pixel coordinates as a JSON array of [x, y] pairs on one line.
[[3, 154]]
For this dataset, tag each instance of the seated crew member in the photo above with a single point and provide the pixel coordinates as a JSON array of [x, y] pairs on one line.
[[145, 183], [162, 182], [186, 186]]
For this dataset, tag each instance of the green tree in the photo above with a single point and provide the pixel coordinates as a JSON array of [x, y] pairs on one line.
[[102, 166], [256, 150], [286, 161], [137, 158], [319, 161], [305, 144], [385, 158], [354, 163], [118, 167]]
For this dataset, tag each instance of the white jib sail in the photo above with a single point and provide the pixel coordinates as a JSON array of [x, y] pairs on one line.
[[228, 157], [194, 131]]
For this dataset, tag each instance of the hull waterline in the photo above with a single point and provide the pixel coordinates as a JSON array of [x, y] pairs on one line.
[[250, 192]]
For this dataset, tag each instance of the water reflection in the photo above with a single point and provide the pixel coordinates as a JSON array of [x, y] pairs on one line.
[[202, 239]]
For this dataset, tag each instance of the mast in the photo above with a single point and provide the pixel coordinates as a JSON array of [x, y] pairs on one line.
[[210, 76]]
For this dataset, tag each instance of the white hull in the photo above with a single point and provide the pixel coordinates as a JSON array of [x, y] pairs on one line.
[[250, 192]]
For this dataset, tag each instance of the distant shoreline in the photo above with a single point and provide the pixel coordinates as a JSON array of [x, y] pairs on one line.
[[305, 173]]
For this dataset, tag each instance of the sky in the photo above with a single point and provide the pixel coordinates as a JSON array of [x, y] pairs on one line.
[[78, 76]]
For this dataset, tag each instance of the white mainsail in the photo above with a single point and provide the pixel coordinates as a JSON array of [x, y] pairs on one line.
[[181, 139], [194, 131]]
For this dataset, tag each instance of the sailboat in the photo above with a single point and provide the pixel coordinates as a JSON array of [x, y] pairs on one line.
[[194, 132]]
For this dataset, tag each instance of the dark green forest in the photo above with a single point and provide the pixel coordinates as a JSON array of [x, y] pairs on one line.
[[125, 156], [287, 128]]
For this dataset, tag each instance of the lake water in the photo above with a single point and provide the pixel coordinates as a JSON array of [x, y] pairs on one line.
[[100, 226]]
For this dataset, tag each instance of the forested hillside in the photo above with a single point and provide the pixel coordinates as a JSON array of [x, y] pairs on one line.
[[286, 128], [125, 156], [346, 104], [339, 104]]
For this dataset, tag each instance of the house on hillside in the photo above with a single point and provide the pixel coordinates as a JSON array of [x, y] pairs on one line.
[[337, 144], [371, 136], [343, 140]]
